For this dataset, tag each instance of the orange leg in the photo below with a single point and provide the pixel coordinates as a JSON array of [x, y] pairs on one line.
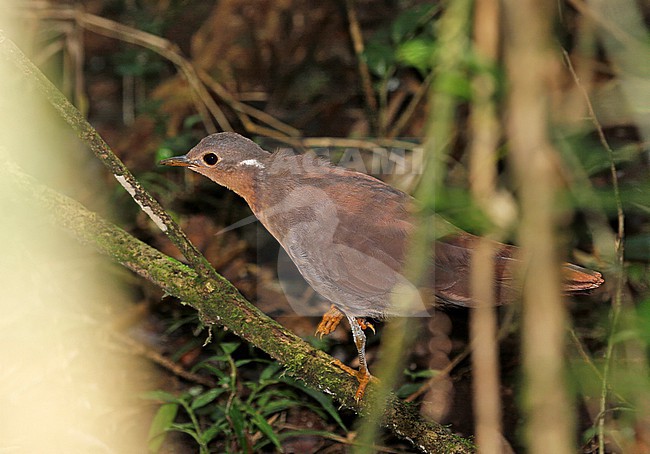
[[330, 321], [362, 375]]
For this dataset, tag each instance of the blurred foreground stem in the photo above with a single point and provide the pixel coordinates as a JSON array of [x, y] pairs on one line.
[[531, 67], [449, 62], [483, 180]]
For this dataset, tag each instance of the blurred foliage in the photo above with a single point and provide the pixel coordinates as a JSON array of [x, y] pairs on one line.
[[138, 63], [293, 61], [409, 41]]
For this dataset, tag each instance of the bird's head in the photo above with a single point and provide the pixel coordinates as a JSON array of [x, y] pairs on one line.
[[228, 159]]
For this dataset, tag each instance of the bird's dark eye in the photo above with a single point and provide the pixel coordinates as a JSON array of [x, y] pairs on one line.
[[210, 159]]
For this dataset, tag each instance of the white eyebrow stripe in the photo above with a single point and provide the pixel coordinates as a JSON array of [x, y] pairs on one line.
[[252, 162]]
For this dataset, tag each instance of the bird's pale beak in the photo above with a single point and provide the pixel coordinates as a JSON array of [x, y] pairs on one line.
[[178, 161]]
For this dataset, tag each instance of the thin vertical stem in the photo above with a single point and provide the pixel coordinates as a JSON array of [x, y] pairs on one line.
[[620, 234], [531, 67], [483, 158], [364, 72]]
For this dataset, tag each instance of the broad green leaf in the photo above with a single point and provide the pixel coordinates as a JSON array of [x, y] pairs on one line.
[[426, 373], [238, 424], [207, 397], [379, 57], [161, 423], [229, 347], [407, 389], [186, 429], [408, 22], [278, 405], [269, 371], [243, 362], [264, 427], [417, 53], [213, 369], [211, 432], [163, 396]]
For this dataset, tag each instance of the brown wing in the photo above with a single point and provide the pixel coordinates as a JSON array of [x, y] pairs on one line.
[[451, 272]]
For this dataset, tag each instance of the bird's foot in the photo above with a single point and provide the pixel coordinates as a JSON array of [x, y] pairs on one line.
[[331, 320], [365, 324], [362, 376]]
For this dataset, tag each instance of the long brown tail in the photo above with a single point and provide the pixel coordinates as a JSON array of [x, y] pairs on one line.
[[451, 273], [579, 279]]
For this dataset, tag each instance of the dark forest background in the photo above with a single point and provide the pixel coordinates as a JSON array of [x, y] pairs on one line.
[[154, 77]]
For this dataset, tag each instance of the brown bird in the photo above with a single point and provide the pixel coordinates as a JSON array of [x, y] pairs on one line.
[[348, 235]]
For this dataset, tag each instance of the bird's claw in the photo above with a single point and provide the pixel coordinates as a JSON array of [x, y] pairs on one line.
[[362, 377], [331, 320], [364, 324]]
